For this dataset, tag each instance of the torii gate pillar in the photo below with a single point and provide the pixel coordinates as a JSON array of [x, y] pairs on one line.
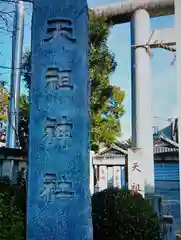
[[141, 95]]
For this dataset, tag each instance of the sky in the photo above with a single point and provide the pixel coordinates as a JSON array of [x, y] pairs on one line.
[[163, 75]]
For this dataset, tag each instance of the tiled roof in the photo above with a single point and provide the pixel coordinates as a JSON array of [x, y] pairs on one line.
[[113, 151], [160, 149], [170, 145], [110, 154], [171, 142], [161, 145]]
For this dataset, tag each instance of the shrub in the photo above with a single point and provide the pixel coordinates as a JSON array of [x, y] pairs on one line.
[[12, 209], [17, 191], [11, 219], [118, 214]]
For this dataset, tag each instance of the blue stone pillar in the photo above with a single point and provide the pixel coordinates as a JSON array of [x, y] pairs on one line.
[[59, 205]]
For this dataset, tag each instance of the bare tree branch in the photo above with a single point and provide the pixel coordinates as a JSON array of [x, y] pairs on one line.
[[7, 13], [6, 18]]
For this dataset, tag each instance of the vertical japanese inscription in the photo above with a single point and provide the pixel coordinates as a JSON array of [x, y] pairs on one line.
[[117, 178], [49, 187], [136, 188], [56, 188], [136, 167], [58, 130], [56, 79], [59, 27]]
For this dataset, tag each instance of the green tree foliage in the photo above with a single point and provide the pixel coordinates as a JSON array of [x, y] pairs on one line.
[[23, 122], [26, 66], [3, 101], [23, 114], [24, 104], [12, 210], [118, 214], [126, 144], [106, 99]]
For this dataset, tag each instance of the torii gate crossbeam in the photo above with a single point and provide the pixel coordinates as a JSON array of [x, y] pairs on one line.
[[122, 12]]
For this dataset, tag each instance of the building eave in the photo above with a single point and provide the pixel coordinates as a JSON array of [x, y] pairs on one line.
[[161, 150], [112, 147], [171, 142]]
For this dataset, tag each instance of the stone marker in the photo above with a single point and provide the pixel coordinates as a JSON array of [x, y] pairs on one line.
[[102, 178], [135, 171], [117, 176], [58, 205]]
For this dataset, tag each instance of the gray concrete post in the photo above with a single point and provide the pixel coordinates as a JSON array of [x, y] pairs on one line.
[[13, 108], [141, 95], [17, 48]]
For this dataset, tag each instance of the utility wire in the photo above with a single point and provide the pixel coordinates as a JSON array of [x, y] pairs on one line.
[[6, 67], [16, 1], [10, 68]]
